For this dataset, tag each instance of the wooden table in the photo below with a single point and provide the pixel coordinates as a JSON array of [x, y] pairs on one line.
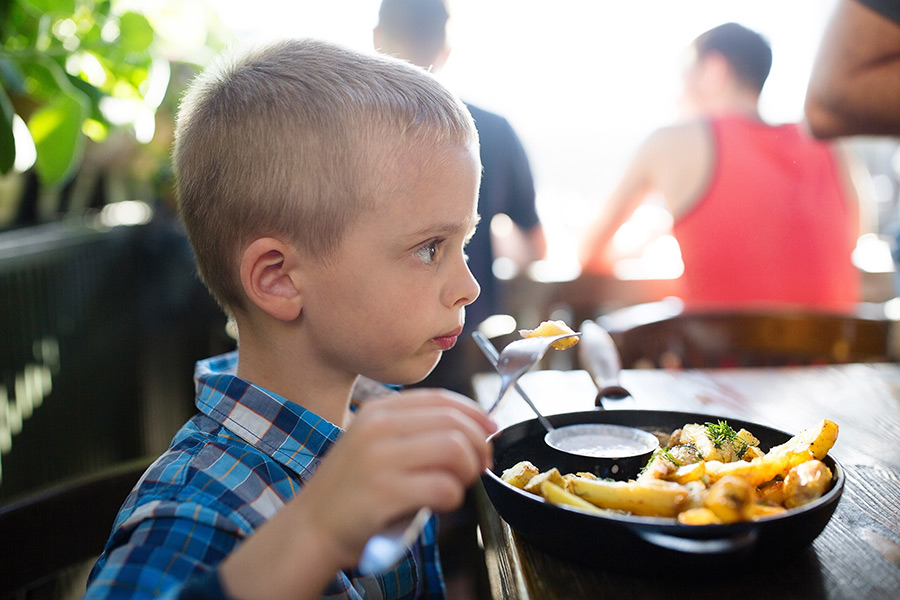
[[856, 556]]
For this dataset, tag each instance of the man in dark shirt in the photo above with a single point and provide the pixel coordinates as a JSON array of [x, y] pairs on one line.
[[416, 30]]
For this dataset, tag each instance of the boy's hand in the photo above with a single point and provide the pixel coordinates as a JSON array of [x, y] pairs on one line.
[[402, 452]]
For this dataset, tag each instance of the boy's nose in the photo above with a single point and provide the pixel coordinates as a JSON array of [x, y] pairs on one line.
[[464, 289]]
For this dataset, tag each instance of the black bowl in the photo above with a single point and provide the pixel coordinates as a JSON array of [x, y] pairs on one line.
[[630, 543]]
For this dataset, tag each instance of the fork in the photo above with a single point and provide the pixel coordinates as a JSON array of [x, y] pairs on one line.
[[517, 358], [387, 547]]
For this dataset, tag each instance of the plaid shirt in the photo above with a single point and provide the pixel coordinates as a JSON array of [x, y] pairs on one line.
[[228, 470]]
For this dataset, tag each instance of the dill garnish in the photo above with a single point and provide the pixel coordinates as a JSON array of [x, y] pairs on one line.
[[722, 433]]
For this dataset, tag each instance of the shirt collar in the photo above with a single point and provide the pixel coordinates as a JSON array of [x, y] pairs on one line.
[[284, 430]]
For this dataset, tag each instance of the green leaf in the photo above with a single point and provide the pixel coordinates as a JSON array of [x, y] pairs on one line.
[[135, 32], [52, 6], [7, 141], [56, 130]]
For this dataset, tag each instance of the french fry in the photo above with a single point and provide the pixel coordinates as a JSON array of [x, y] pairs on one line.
[[698, 516], [731, 499], [557, 495], [651, 498], [688, 473], [553, 476], [520, 474], [816, 440]]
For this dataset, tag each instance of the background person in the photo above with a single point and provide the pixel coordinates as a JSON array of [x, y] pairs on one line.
[[417, 31], [854, 88], [763, 214]]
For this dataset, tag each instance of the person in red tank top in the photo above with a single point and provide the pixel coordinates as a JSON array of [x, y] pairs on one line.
[[764, 214]]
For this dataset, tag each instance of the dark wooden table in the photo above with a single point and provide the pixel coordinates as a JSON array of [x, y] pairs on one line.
[[856, 556]]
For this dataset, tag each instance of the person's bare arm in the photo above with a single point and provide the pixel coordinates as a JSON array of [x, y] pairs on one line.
[[855, 84], [673, 161]]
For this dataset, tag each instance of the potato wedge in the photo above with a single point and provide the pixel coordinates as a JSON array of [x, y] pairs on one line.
[[520, 474], [817, 440], [553, 476], [557, 495], [651, 498]]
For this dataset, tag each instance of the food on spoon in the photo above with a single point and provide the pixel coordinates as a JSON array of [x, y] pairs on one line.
[[549, 328], [751, 485]]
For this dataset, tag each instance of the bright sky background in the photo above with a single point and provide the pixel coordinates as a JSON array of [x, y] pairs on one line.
[[582, 81]]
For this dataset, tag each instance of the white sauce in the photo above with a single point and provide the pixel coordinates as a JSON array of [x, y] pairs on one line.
[[601, 445]]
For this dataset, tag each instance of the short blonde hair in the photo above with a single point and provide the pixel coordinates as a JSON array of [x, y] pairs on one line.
[[294, 139]]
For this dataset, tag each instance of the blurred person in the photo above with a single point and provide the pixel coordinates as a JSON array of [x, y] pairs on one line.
[[763, 214], [854, 88], [417, 31]]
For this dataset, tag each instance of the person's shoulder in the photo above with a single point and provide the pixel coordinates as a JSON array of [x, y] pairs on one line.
[[487, 119], [677, 137]]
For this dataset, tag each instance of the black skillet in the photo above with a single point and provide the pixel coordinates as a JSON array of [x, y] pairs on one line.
[[631, 543]]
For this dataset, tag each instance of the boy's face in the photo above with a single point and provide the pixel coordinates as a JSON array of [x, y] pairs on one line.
[[393, 297]]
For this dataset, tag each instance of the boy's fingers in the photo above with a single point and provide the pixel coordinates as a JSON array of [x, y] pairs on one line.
[[428, 421]]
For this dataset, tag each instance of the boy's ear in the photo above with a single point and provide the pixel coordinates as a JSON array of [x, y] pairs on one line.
[[270, 276]]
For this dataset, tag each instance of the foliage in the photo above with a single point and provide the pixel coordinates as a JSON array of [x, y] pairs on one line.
[[63, 65]]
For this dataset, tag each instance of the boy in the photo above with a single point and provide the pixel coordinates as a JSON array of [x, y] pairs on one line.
[[328, 196]]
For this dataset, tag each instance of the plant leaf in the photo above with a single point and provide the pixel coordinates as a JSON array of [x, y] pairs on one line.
[[7, 140], [56, 130], [135, 32], [52, 6]]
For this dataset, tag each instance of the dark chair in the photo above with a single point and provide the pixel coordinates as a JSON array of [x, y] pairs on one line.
[[666, 335], [45, 534]]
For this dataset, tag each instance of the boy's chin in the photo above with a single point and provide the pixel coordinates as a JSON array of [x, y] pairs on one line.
[[410, 376]]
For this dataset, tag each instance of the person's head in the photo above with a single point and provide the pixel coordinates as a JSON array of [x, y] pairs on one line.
[[299, 142], [728, 64], [414, 30]]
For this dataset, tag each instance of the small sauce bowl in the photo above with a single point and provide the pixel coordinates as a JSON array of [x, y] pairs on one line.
[[607, 451]]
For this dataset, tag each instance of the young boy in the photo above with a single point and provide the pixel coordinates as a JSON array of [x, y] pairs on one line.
[[328, 196]]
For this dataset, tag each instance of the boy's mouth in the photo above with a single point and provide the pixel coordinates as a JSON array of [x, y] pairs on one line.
[[447, 340]]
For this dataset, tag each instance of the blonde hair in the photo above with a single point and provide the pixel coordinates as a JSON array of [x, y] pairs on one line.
[[294, 140]]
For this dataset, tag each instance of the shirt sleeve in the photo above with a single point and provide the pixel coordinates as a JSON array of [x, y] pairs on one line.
[[164, 557]]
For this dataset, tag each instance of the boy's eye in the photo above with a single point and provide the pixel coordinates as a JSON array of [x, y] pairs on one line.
[[428, 252]]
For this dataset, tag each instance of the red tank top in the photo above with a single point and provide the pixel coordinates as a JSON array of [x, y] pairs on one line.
[[774, 225]]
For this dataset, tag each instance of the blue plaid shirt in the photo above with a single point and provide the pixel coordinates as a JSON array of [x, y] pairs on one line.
[[228, 470]]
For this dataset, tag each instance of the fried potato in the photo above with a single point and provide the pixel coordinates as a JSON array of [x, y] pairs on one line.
[[651, 498], [698, 516], [731, 499], [548, 328], [553, 476], [557, 495], [817, 440], [520, 474], [806, 482], [688, 473]]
